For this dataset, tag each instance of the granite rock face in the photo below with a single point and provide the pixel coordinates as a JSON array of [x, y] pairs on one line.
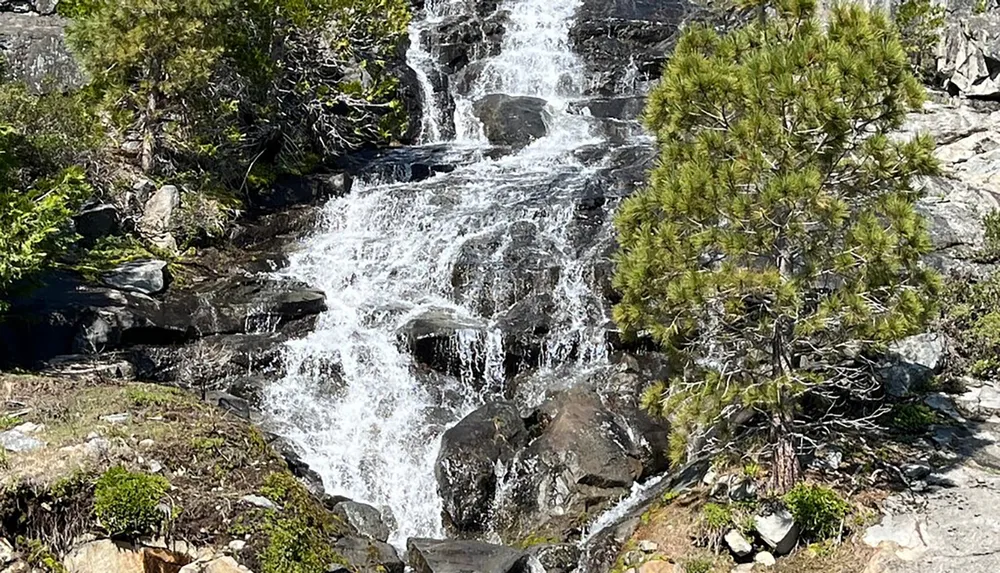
[[33, 46]]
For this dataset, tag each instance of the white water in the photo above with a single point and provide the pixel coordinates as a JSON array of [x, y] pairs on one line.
[[352, 398]]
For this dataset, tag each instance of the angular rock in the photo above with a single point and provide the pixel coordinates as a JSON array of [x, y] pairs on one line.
[[144, 276], [456, 41], [467, 463], [158, 217], [738, 544], [435, 339], [512, 121], [557, 558], [435, 556], [35, 52], [778, 530], [6, 552], [916, 360], [259, 501], [369, 556], [96, 222], [363, 519], [765, 558], [18, 442], [223, 564]]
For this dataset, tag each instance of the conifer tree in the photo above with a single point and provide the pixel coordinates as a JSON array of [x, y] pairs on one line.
[[777, 241]]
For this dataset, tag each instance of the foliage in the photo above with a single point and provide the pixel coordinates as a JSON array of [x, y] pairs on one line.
[[41, 556], [919, 23], [8, 422], [819, 511], [912, 418], [146, 396], [110, 252], [700, 565], [715, 520], [126, 503], [777, 241]]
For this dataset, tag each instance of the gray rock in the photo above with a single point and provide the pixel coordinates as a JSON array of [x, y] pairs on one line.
[[557, 558], [259, 501], [467, 460], [765, 558], [158, 217], [738, 544], [435, 556], [144, 276], [14, 441], [968, 52], [363, 519], [6, 552], [512, 121], [743, 490], [96, 222], [778, 530], [647, 546], [915, 471], [916, 360], [289, 191], [369, 556], [35, 51]]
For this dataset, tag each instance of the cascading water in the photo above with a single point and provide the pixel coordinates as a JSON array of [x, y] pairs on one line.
[[367, 418]]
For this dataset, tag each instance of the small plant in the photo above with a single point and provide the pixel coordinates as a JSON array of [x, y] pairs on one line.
[[913, 418], [144, 397], [8, 422], [819, 511], [698, 566], [537, 539], [752, 470], [669, 497], [204, 444], [716, 519], [40, 556], [126, 503]]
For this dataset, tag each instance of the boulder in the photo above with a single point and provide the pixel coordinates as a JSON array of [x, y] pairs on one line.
[[19, 442], [436, 338], [968, 54], [582, 461], [738, 543], [778, 529], [467, 463], [456, 41], [369, 556], [765, 559], [223, 564], [512, 121], [622, 107], [158, 217], [915, 361], [364, 520], [34, 51], [435, 556], [108, 556], [292, 190], [96, 222], [557, 557], [144, 276]]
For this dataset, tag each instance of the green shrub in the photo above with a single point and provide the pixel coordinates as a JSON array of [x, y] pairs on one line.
[[919, 23], [39, 555], [913, 418], [700, 565], [819, 511], [126, 503]]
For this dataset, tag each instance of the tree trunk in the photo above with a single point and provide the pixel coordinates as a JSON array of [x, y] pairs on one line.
[[785, 469], [148, 157]]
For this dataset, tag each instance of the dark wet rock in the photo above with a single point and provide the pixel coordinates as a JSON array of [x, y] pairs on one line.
[[438, 556], [458, 40], [582, 461], [143, 276], [228, 403], [512, 121], [436, 339], [292, 190], [293, 457], [626, 41], [467, 462], [368, 556], [364, 520], [525, 327], [34, 50], [96, 222], [558, 557], [623, 108]]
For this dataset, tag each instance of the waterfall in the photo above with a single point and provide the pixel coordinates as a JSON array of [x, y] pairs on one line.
[[367, 417]]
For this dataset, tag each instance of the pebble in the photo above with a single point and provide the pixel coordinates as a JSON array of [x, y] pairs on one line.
[[647, 546], [117, 418], [765, 558], [260, 501], [237, 545]]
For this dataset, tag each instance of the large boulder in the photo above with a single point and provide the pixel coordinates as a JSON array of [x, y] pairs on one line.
[[368, 556], [143, 276], [435, 556], [625, 41], [292, 190], [456, 41], [34, 49], [96, 221], [364, 520], [512, 121], [914, 361], [467, 464], [158, 217], [582, 461], [968, 55]]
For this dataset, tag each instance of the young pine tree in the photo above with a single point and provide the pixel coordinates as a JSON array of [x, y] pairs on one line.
[[777, 239]]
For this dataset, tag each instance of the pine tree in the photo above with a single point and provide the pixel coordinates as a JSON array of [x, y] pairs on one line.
[[777, 241]]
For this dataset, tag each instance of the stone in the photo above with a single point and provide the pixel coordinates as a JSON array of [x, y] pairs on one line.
[[157, 220], [778, 530], [6, 552], [369, 555], [916, 360], [96, 222], [104, 556], [765, 558], [16, 442], [143, 276], [512, 121], [916, 471], [363, 519], [742, 568], [223, 564], [34, 50], [558, 557], [467, 460], [259, 501], [237, 545], [738, 544], [647, 546], [743, 490], [292, 190], [899, 531], [658, 566], [452, 556], [117, 418]]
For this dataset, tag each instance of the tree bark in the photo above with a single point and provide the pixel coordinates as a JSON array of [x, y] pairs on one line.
[[785, 468], [148, 158]]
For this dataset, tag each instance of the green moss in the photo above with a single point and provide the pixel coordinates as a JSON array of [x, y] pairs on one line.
[[108, 253], [716, 516], [819, 511], [126, 503], [537, 539], [146, 396], [204, 444], [700, 565]]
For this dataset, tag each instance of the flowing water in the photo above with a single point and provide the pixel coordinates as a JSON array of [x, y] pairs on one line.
[[367, 419]]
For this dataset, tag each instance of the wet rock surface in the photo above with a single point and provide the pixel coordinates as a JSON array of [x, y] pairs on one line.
[[512, 121]]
